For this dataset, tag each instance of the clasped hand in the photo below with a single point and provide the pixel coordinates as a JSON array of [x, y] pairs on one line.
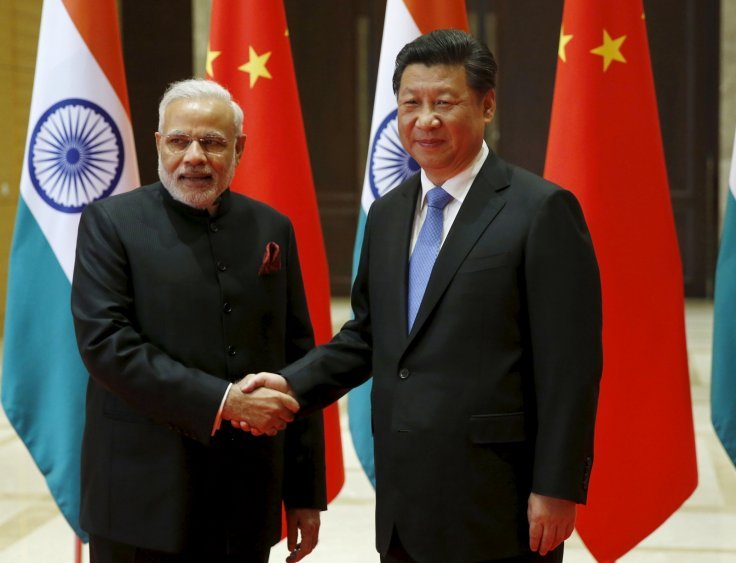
[[260, 403]]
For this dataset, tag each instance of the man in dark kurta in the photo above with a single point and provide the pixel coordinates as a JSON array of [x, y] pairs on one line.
[[180, 288]]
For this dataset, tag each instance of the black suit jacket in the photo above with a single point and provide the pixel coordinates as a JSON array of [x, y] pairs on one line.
[[168, 308], [493, 393]]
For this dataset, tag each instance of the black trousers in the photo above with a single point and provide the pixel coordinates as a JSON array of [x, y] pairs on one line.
[[397, 554], [103, 550]]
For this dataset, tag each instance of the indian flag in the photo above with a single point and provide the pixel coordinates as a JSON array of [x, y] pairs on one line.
[[79, 149], [388, 164]]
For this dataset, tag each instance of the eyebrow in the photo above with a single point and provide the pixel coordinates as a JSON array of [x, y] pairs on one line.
[[443, 90], [212, 133]]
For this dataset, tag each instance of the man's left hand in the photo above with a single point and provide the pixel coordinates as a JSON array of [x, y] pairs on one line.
[[551, 521], [306, 521]]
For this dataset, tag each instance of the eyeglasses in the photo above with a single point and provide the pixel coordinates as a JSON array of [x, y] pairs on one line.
[[211, 144]]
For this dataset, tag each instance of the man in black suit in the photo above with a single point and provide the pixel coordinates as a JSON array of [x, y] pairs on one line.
[[180, 288], [477, 310]]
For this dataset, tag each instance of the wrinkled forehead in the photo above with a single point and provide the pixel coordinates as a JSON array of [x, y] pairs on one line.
[[199, 116]]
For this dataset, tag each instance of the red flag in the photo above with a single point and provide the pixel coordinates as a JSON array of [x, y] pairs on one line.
[[605, 146], [249, 53]]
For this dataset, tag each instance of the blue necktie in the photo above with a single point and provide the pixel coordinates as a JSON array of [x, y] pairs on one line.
[[425, 250]]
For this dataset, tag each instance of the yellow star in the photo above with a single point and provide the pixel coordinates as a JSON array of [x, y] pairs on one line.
[[286, 32], [610, 50], [256, 66], [564, 40], [211, 56]]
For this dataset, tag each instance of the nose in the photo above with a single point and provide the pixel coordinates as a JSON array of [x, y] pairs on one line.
[[427, 119], [194, 152]]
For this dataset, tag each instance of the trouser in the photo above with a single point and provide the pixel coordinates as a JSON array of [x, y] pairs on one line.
[[397, 554], [103, 550]]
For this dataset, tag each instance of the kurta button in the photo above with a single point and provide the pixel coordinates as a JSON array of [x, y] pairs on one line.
[[404, 373], [227, 308], [231, 350], [221, 266], [214, 227]]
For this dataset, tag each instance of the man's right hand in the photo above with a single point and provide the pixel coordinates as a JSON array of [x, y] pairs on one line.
[[262, 411], [255, 382]]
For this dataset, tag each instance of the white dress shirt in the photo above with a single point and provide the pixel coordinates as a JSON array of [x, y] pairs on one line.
[[457, 186]]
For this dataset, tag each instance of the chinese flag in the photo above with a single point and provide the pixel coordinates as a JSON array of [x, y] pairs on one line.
[[249, 53], [605, 146]]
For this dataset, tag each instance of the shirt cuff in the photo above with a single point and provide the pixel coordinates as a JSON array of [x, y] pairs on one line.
[[218, 418]]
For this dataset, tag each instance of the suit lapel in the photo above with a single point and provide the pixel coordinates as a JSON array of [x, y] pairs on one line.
[[398, 228], [479, 208]]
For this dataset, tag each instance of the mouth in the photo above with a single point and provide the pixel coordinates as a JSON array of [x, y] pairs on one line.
[[195, 177], [428, 143]]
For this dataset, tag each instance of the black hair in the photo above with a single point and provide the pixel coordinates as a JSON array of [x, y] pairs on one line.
[[450, 47]]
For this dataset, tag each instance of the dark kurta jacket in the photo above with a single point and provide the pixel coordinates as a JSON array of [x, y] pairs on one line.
[[493, 393], [168, 308]]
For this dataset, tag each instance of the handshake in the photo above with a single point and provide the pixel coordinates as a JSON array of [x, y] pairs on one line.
[[260, 403]]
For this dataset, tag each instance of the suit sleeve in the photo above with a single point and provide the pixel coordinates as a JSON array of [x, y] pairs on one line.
[[565, 320], [113, 348], [304, 467], [331, 370]]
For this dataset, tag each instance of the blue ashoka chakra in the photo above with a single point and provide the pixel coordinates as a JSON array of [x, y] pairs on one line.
[[76, 155], [389, 163]]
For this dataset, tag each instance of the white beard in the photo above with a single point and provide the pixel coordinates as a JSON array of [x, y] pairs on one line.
[[199, 199]]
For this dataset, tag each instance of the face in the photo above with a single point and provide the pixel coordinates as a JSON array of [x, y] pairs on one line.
[[196, 176], [441, 119]]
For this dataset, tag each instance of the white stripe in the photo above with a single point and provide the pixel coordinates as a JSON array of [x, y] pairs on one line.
[[65, 68], [398, 29]]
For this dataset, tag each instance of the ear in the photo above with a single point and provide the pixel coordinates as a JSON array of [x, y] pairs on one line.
[[158, 142], [239, 147], [489, 106]]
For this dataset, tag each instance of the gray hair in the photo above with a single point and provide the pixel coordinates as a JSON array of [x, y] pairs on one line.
[[194, 88]]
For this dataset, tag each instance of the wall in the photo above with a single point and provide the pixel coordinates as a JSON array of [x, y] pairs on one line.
[[727, 94], [19, 21]]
